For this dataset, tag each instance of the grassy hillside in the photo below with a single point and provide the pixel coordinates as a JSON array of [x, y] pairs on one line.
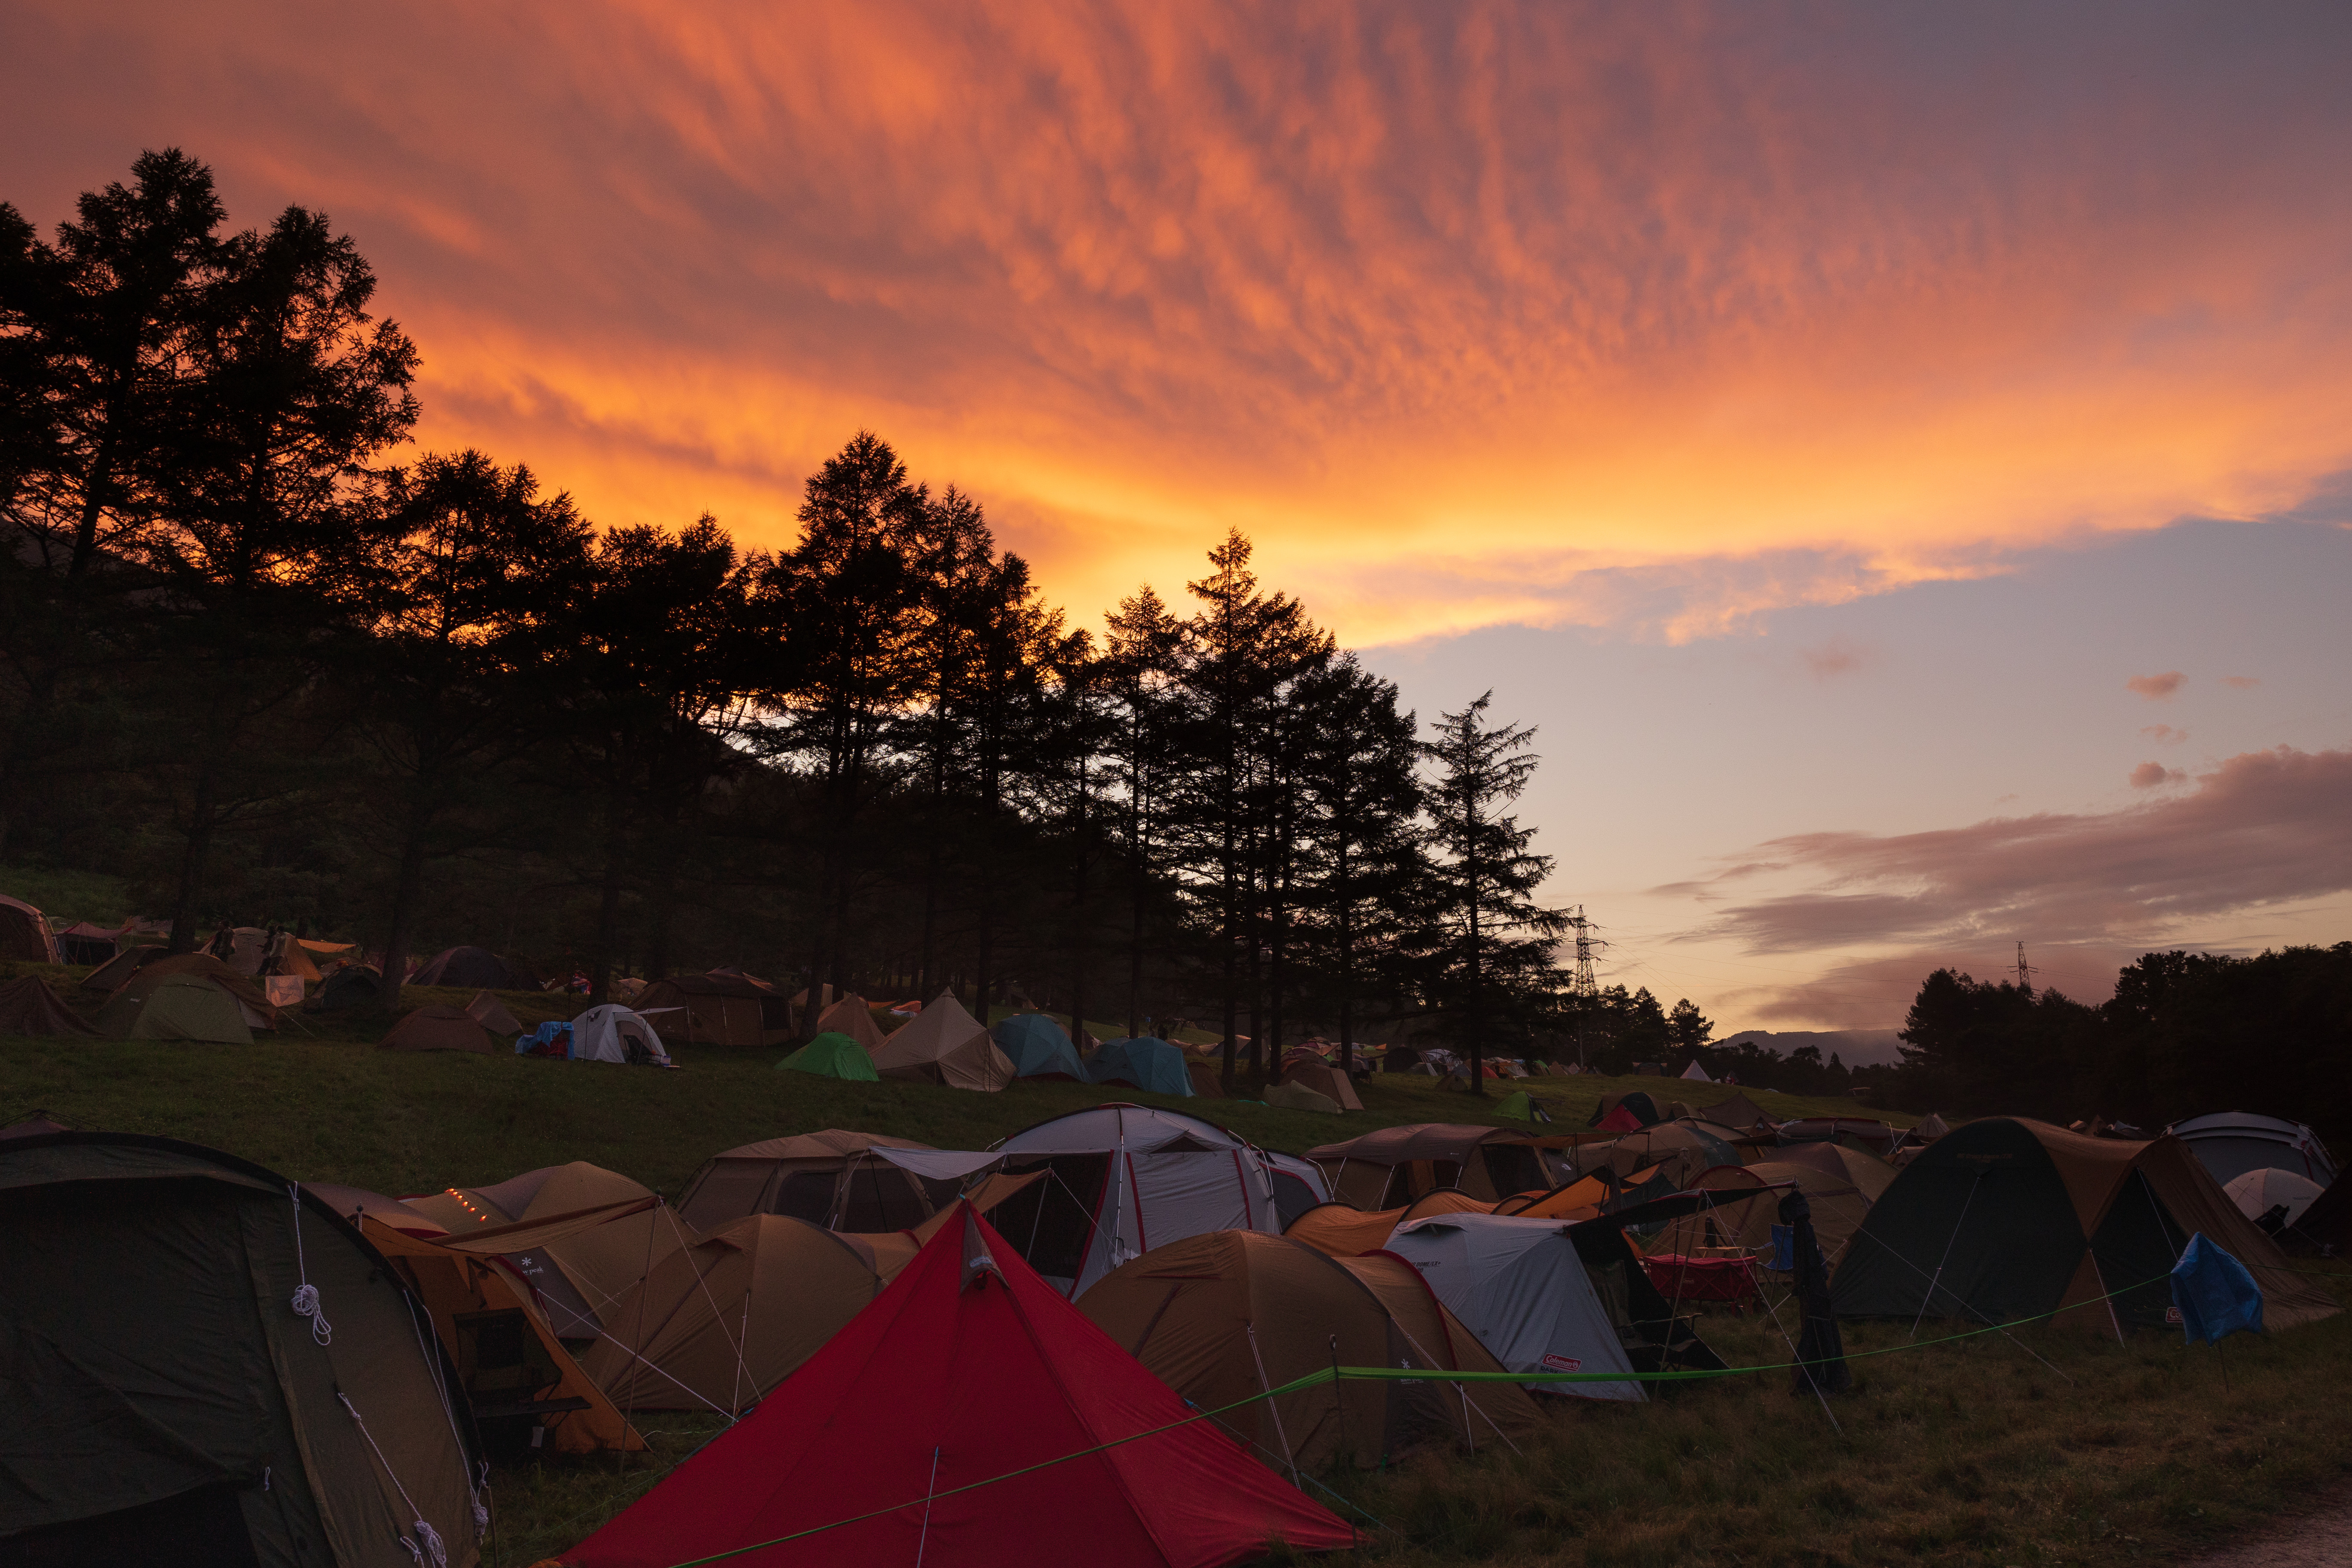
[[317, 1101]]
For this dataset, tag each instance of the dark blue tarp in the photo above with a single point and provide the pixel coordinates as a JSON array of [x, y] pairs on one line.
[[2215, 1295]]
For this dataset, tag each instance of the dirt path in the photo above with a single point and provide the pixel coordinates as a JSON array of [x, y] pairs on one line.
[[2322, 1540]]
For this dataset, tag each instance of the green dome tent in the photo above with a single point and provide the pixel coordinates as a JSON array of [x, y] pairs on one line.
[[1520, 1105], [833, 1055], [175, 1007]]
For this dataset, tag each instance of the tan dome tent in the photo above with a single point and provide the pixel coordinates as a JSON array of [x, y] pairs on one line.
[[944, 1044], [1739, 1113], [175, 1007], [1871, 1174], [1391, 1167], [716, 1010], [1290, 1096], [27, 1007], [1478, 1413], [438, 1026], [1326, 1080], [1227, 1315], [831, 1179], [2008, 1218], [722, 1321], [163, 1401], [494, 1015], [583, 1276], [852, 1016], [25, 933]]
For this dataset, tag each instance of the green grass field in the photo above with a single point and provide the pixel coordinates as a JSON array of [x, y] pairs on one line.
[[1984, 1452]]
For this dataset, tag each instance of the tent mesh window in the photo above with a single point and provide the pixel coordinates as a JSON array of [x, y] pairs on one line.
[[1052, 1221]]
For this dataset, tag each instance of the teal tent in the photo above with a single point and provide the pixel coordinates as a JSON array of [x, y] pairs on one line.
[[1038, 1048], [833, 1055], [1147, 1062]]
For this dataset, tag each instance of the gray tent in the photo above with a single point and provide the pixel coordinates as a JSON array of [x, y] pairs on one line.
[[163, 1398]]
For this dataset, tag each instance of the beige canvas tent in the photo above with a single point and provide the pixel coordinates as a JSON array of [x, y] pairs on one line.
[[944, 1044], [494, 1015], [719, 1322], [1291, 1096], [852, 1016], [438, 1026], [831, 1178], [109, 976], [25, 933], [717, 1009], [1326, 1080], [1394, 1165], [1225, 1315], [582, 1277]]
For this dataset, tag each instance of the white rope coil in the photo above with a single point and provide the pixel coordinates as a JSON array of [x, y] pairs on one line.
[[306, 1295]]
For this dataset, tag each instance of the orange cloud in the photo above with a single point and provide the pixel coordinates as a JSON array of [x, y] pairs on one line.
[[2156, 688], [1484, 300]]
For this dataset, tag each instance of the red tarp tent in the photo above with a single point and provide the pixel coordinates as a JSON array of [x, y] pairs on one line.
[[968, 1368]]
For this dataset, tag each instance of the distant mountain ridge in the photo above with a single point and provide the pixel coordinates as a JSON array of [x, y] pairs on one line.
[[1854, 1048]]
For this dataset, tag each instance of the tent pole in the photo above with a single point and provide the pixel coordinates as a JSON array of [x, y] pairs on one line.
[[930, 1491], [1281, 1435], [1936, 1278]]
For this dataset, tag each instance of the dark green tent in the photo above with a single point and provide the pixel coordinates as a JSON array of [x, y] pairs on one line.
[[162, 1398], [833, 1055], [2008, 1218]]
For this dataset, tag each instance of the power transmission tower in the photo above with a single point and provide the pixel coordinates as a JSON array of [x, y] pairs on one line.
[[1586, 987], [2025, 971]]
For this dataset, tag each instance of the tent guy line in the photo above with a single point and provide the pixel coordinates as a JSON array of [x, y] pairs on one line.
[[1393, 1374]]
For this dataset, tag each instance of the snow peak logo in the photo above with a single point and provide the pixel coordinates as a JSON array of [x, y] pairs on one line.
[[1563, 1364], [2172, 1314]]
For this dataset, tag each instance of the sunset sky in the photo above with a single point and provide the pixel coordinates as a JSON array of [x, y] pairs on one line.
[[1900, 456]]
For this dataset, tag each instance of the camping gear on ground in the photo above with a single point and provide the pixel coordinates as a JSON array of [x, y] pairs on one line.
[[2008, 1218], [1346, 1232], [1144, 1062], [583, 1275], [551, 1039], [945, 1045], [831, 1178], [526, 1390], [2265, 1194], [2234, 1142], [1299, 1185], [1837, 1209], [493, 1014], [613, 1033], [438, 1026], [1520, 1285], [1325, 1080], [24, 934], [1222, 1317], [1037, 1047], [851, 1015], [205, 1362], [1392, 1166], [2213, 1295], [718, 1009], [352, 988], [27, 1007], [1820, 1347], [833, 1055], [724, 1319], [475, 966], [1637, 1105], [175, 1007], [1298, 1096], [1121, 1173], [82, 942], [939, 1414], [1682, 1278]]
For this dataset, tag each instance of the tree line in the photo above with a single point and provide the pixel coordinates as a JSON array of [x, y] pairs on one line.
[[2185, 1034], [273, 667]]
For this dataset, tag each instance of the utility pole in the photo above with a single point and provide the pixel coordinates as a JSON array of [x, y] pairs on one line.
[[1586, 987], [2024, 971]]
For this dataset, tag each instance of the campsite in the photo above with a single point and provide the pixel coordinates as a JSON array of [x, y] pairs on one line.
[[2038, 1444]]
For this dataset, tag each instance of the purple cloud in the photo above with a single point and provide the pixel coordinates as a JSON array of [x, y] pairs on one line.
[[2156, 688], [2261, 829]]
